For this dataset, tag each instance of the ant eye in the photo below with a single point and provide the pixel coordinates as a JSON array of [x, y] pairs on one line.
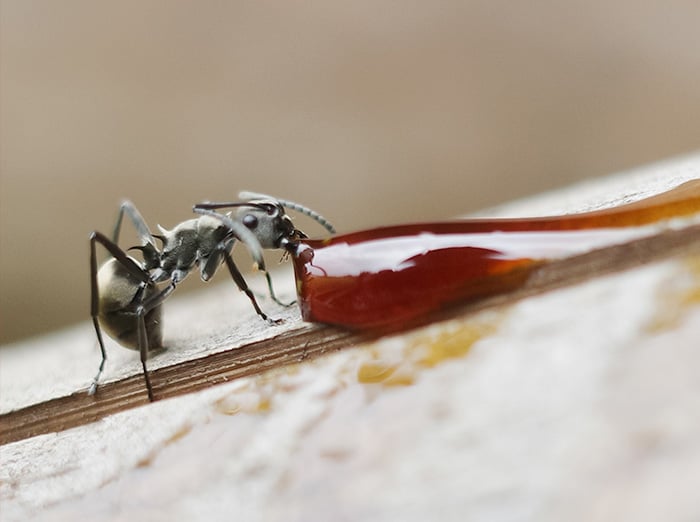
[[250, 221]]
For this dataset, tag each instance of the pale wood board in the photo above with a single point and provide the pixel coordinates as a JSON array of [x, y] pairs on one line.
[[578, 404]]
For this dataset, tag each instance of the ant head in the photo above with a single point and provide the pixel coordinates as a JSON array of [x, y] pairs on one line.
[[268, 221], [261, 221]]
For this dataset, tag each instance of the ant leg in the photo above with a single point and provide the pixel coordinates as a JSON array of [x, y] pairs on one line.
[[143, 350], [261, 267], [128, 208], [117, 253], [243, 287], [272, 291], [131, 267], [141, 312], [94, 310], [147, 246], [245, 236]]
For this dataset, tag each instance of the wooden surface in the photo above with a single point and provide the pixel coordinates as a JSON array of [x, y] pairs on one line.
[[299, 344], [573, 399]]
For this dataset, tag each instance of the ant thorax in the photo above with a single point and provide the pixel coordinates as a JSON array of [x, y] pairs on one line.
[[195, 242]]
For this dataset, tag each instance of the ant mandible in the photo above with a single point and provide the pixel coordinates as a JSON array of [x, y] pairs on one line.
[[126, 300]]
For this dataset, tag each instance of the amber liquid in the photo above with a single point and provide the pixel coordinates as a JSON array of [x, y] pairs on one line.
[[392, 276]]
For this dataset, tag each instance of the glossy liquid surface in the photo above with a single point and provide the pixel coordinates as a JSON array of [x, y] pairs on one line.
[[392, 276]]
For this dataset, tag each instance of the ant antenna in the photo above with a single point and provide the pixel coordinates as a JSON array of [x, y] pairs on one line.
[[248, 195]]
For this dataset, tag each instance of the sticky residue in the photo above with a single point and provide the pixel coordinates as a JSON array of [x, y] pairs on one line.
[[375, 371], [177, 435], [254, 396], [677, 297], [386, 373], [248, 402], [692, 295], [398, 363], [452, 344]]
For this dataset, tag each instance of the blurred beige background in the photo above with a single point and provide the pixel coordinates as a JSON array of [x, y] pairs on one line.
[[369, 111]]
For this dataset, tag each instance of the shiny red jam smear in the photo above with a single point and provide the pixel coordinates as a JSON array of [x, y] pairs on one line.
[[392, 276]]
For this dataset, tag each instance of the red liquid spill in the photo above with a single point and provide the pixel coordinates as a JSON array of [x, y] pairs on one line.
[[392, 276]]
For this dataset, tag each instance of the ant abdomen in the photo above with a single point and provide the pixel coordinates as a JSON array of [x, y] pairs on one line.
[[120, 294]]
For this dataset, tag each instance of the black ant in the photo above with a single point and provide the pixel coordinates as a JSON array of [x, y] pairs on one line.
[[126, 299]]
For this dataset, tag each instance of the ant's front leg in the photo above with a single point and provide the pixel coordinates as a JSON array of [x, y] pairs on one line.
[[245, 236], [272, 291], [243, 287]]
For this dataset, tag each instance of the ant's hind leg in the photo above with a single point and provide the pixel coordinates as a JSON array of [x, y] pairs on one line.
[[131, 267], [143, 350], [143, 345], [94, 311], [117, 253]]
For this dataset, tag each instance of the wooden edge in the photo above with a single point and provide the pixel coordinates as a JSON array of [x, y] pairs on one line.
[[295, 346]]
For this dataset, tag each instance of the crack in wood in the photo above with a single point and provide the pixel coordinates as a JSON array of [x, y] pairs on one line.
[[294, 346]]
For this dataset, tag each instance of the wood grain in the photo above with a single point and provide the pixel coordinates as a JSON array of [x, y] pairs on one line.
[[297, 345]]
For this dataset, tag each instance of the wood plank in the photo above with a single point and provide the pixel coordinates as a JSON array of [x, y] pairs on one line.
[[297, 345]]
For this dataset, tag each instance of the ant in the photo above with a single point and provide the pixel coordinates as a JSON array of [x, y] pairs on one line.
[[126, 300]]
